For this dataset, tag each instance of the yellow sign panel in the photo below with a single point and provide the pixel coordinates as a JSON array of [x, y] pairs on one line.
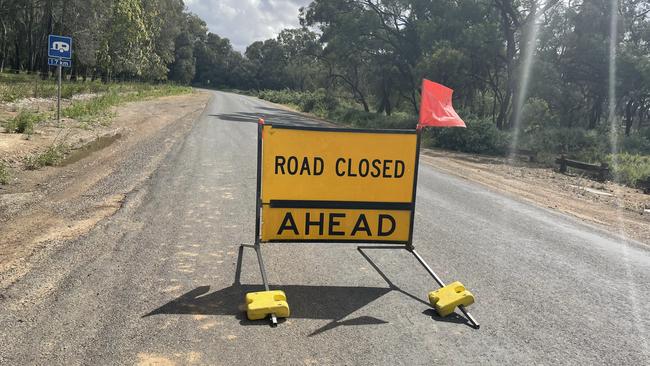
[[309, 224], [306, 164], [337, 184]]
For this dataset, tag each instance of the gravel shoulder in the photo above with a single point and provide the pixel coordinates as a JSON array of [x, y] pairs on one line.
[[43, 208], [619, 209]]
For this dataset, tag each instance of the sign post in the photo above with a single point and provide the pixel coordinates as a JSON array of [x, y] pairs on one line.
[[58, 94], [59, 52], [338, 185]]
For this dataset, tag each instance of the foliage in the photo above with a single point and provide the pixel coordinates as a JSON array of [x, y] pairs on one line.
[[5, 176], [481, 136], [23, 122], [575, 143], [101, 104], [363, 119], [630, 169], [317, 101], [50, 157]]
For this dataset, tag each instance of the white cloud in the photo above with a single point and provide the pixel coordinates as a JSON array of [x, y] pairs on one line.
[[247, 21]]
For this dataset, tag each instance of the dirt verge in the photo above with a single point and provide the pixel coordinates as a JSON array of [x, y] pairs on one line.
[[621, 210], [41, 208]]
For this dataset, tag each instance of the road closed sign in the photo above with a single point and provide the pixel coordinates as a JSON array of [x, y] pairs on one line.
[[322, 184], [339, 185]]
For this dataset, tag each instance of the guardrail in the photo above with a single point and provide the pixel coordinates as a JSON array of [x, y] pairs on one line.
[[601, 170]]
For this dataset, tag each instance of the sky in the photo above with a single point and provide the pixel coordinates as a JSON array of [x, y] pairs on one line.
[[247, 21]]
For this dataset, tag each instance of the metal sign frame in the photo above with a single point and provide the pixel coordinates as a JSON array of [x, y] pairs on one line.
[[408, 245]]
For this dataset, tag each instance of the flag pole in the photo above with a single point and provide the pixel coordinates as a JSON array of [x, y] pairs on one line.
[[432, 113]]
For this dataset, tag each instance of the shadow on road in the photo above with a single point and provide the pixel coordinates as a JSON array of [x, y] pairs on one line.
[[306, 302], [270, 115], [451, 318]]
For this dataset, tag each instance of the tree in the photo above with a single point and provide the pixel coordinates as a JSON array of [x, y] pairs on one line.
[[269, 62], [193, 31]]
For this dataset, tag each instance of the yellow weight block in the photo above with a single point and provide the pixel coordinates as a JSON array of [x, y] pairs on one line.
[[447, 298], [261, 304]]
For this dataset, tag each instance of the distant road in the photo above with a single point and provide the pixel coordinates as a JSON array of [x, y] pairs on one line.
[[157, 283]]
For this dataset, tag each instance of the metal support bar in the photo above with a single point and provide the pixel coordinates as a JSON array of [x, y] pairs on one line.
[[258, 250], [442, 284], [258, 205]]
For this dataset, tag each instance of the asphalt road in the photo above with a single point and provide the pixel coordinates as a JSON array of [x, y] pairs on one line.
[[159, 283]]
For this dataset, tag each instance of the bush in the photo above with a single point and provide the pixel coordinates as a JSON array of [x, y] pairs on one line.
[[536, 115], [92, 106], [50, 157], [481, 137], [101, 104], [577, 143], [23, 122], [4, 173], [636, 144], [362, 119], [630, 169], [318, 101], [17, 86]]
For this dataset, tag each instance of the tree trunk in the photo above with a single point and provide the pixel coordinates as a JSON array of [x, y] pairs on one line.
[[596, 112], [364, 103], [3, 48], [629, 111], [503, 109], [17, 55], [508, 29]]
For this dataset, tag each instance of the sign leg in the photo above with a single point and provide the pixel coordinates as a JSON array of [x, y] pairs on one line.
[[258, 204], [258, 250]]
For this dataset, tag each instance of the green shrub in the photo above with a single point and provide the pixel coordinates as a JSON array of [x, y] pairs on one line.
[[101, 104], [92, 106], [23, 122], [536, 115], [362, 119], [4, 173], [318, 101], [630, 169], [481, 136], [636, 144], [577, 143], [18, 86], [50, 157]]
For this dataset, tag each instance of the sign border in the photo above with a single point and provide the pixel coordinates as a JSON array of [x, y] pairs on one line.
[[49, 36], [341, 129], [400, 206], [64, 62]]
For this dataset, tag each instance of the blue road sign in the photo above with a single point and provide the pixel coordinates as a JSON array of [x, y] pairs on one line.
[[54, 61], [59, 46]]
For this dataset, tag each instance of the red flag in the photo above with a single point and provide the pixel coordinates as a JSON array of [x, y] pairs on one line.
[[435, 108]]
